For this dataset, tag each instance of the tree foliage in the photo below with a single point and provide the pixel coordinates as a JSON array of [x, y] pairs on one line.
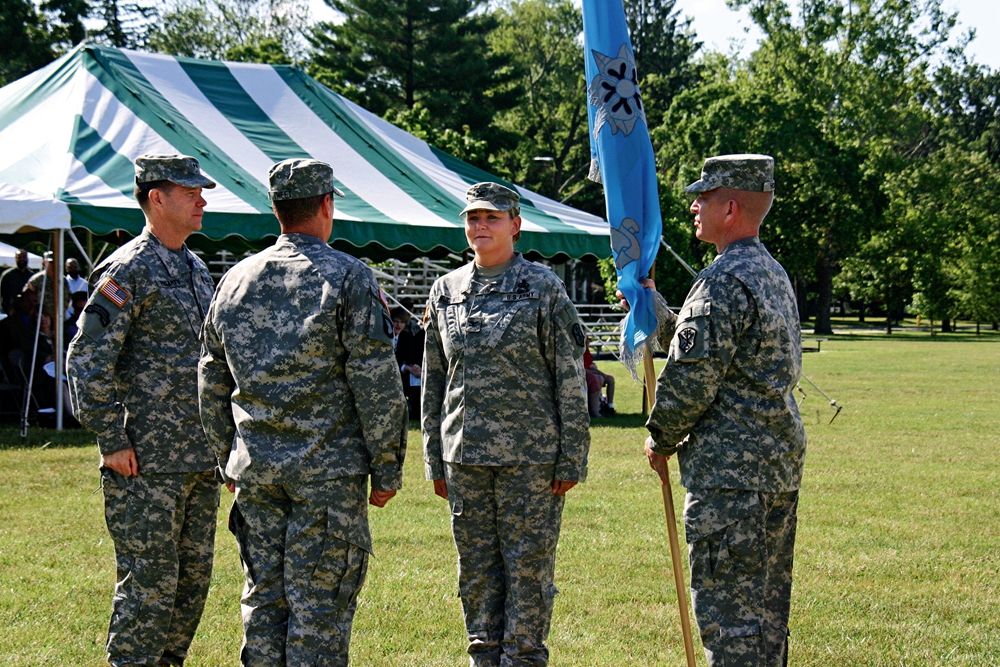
[[32, 36], [540, 39], [665, 46], [390, 55], [268, 31], [125, 24], [834, 95]]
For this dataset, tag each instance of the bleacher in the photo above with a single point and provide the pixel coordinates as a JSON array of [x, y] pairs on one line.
[[413, 280]]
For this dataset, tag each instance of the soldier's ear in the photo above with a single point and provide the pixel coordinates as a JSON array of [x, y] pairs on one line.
[[156, 197]]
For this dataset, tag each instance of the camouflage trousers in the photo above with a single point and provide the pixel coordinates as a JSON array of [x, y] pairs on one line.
[[305, 551], [163, 528], [741, 546], [505, 520]]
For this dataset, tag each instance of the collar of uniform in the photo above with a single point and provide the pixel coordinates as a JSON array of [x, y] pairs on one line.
[[741, 243], [296, 238], [171, 261], [508, 279]]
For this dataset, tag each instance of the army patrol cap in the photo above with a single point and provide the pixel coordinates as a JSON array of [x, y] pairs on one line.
[[739, 172], [490, 197], [179, 169], [299, 178]]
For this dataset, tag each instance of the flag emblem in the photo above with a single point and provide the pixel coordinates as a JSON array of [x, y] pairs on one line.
[[114, 291], [615, 92]]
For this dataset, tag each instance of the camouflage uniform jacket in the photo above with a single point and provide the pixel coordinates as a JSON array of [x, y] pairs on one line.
[[503, 380], [133, 365], [725, 394], [297, 378], [48, 299]]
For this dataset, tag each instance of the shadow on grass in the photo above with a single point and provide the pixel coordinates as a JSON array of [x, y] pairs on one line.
[[620, 421], [38, 437], [908, 336]]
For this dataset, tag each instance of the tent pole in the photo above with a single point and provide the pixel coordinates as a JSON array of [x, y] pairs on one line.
[[59, 321], [34, 349], [83, 252]]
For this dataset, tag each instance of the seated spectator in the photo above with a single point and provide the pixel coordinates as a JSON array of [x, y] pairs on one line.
[[409, 355], [17, 332], [596, 381]]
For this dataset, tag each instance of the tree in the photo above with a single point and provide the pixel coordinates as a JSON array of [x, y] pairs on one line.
[[390, 55], [23, 40], [552, 153], [664, 47], [835, 96], [32, 37], [968, 99], [242, 30], [125, 24]]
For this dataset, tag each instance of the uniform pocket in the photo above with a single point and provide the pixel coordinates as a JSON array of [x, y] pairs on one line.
[[238, 527], [139, 513], [690, 342], [113, 486], [343, 565], [509, 321], [734, 646]]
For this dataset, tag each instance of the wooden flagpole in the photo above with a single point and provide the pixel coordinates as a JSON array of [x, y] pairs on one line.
[[668, 509]]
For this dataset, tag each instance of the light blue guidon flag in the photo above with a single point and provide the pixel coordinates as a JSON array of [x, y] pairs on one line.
[[622, 159]]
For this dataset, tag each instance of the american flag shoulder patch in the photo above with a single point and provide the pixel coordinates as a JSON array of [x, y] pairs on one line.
[[114, 291]]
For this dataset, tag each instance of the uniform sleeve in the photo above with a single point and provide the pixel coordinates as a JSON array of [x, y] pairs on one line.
[[94, 355], [666, 321], [565, 344], [374, 379], [432, 387], [709, 328], [215, 390]]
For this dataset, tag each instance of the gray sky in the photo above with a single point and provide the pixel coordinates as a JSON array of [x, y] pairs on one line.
[[717, 25]]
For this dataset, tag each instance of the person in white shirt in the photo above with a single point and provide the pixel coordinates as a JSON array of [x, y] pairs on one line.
[[74, 282]]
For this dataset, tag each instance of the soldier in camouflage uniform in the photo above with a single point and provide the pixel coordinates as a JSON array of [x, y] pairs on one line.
[[302, 401], [46, 305], [133, 371], [505, 426], [724, 405]]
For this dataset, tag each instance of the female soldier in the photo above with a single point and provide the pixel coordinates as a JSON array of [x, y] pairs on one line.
[[505, 426]]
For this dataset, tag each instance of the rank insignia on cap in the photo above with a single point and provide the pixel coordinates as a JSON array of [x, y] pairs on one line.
[[114, 291], [686, 338]]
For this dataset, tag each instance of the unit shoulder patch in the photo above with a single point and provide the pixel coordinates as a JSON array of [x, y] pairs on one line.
[[687, 339]]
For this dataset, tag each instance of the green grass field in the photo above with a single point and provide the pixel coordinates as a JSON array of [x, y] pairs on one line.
[[897, 556]]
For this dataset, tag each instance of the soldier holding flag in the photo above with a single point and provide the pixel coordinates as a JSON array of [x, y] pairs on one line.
[[724, 405]]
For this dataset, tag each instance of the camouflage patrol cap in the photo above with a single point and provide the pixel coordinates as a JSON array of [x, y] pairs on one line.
[[490, 197], [179, 169], [299, 178], [739, 172]]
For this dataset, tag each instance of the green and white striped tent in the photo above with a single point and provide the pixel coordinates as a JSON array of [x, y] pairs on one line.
[[70, 131]]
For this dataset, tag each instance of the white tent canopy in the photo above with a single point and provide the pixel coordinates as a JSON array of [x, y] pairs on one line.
[[69, 134], [8, 251], [23, 210]]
